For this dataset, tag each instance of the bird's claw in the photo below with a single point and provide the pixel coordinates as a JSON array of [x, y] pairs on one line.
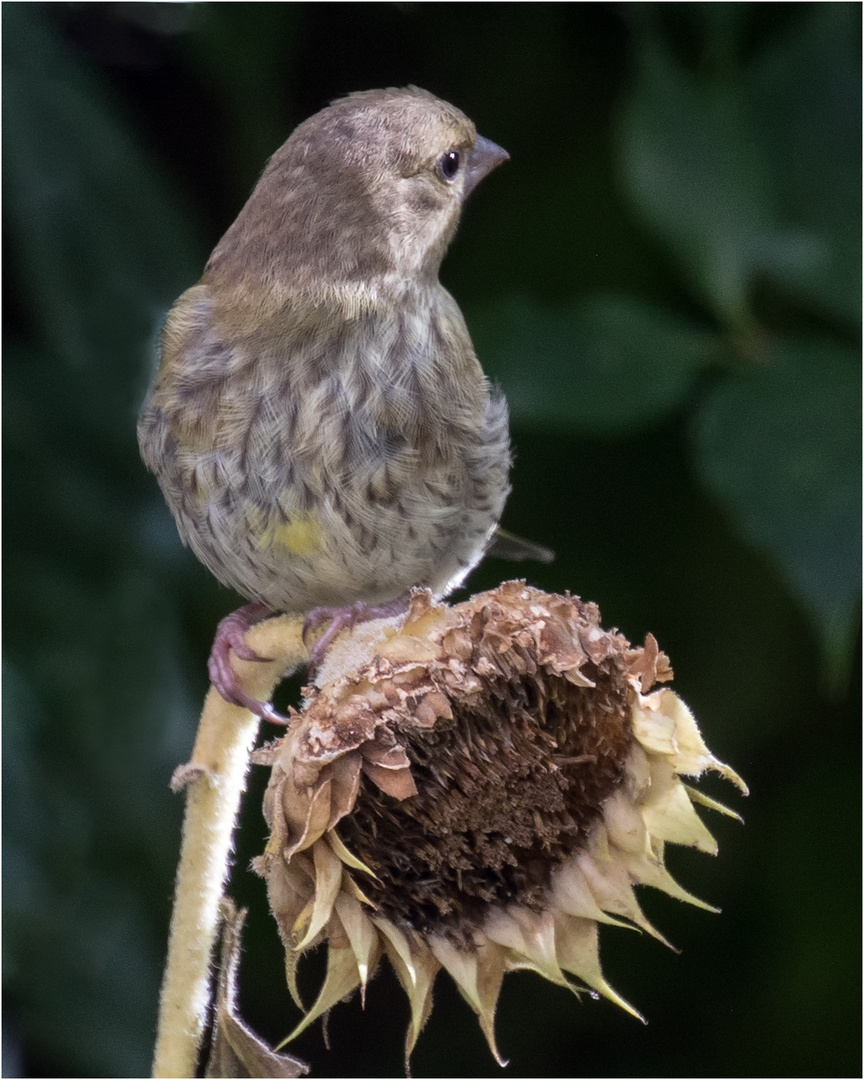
[[340, 619], [344, 618], [231, 639]]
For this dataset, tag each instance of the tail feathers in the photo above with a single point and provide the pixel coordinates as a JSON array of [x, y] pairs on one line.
[[506, 545]]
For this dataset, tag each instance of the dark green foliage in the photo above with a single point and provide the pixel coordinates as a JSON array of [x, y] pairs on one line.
[[666, 279]]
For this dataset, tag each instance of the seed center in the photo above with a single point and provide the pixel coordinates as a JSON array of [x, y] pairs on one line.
[[505, 794]]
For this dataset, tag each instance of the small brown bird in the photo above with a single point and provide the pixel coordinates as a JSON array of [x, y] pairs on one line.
[[319, 424]]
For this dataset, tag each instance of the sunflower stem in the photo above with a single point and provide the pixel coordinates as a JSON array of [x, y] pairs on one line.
[[214, 780]]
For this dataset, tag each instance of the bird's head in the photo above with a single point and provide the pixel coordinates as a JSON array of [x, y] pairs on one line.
[[369, 188]]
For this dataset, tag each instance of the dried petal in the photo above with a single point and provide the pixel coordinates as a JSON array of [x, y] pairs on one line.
[[328, 879], [478, 975], [361, 936]]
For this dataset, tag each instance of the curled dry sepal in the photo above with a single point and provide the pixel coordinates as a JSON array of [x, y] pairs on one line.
[[475, 790], [236, 1051]]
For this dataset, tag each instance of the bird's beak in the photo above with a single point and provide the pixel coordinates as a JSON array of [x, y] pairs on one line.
[[485, 157]]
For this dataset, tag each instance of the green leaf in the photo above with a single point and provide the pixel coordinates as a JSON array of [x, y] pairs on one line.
[[609, 365], [805, 99], [699, 177], [780, 447], [755, 173]]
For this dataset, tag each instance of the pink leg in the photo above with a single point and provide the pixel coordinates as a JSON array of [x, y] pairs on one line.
[[343, 618], [231, 638]]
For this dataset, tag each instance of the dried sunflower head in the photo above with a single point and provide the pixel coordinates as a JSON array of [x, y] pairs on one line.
[[477, 789]]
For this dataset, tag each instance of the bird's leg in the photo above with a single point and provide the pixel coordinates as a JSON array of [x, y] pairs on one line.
[[231, 638], [343, 618]]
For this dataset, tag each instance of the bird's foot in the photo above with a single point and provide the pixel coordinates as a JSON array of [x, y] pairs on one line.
[[343, 618], [231, 639]]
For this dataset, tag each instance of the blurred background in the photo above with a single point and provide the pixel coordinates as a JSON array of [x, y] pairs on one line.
[[665, 279]]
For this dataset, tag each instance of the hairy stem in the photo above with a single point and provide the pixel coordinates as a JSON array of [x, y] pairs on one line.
[[214, 779]]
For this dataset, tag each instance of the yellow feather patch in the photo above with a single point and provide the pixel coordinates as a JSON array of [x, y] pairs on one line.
[[299, 536]]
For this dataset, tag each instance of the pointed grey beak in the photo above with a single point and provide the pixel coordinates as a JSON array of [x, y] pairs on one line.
[[485, 157]]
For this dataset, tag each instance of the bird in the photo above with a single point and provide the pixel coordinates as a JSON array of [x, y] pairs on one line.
[[319, 423]]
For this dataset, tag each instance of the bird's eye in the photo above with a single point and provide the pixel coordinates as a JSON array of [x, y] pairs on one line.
[[448, 164]]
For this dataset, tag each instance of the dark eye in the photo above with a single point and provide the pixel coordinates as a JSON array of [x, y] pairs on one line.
[[448, 165]]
